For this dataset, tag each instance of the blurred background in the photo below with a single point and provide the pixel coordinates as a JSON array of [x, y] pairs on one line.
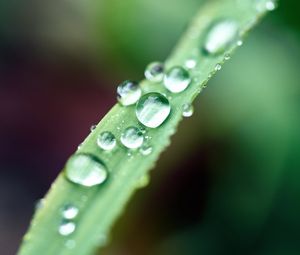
[[234, 186]]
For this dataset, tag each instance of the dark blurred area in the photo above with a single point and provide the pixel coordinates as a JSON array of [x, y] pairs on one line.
[[234, 186]]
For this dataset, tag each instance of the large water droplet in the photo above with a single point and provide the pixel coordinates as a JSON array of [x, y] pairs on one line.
[[155, 72], [66, 228], [86, 170], [187, 110], [132, 138], [220, 36], [152, 109], [129, 93], [177, 79], [70, 212], [106, 141]]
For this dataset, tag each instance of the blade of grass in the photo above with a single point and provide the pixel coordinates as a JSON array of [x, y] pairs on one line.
[[100, 206]]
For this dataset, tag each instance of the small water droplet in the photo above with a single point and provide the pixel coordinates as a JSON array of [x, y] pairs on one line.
[[129, 92], [239, 43], [86, 170], [190, 63], [39, 204], [187, 110], [262, 6], [155, 72], [102, 240], [271, 5], [70, 244], [93, 127], [152, 109], [177, 79], [70, 212], [218, 67], [146, 150], [66, 228], [227, 56], [79, 146], [132, 138], [143, 181], [220, 36], [106, 141]]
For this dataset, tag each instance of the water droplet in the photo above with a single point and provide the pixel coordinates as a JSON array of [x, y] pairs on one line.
[[106, 141], [271, 5], [66, 228], [218, 67], [155, 72], [220, 36], [143, 181], [39, 204], [227, 57], [70, 212], [102, 240], [146, 150], [70, 244], [79, 146], [93, 127], [239, 43], [177, 79], [190, 63], [262, 6], [129, 93], [86, 170], [152, 109], [132, 138], [187, 110]]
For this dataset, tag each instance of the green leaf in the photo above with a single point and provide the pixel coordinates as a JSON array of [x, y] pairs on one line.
[[99, 206]]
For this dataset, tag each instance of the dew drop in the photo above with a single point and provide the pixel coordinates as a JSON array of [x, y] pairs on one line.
[[143, 181], [271, 5], [262, 6], [152, 109], [129, 93], [239, 43], [190, 63], [66, 228], [106, 141], [79, 146], [218, 67], [93, 127], [102, 240], [220, 36], [86, 170], [177, 79], [39, 204], [155, 72], [132, 138], [227, 57], [70, 212], [187, 110], [146, 150]]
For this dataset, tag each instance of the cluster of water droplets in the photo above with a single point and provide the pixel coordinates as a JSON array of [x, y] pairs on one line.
[[67, 226], [153, 109]]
